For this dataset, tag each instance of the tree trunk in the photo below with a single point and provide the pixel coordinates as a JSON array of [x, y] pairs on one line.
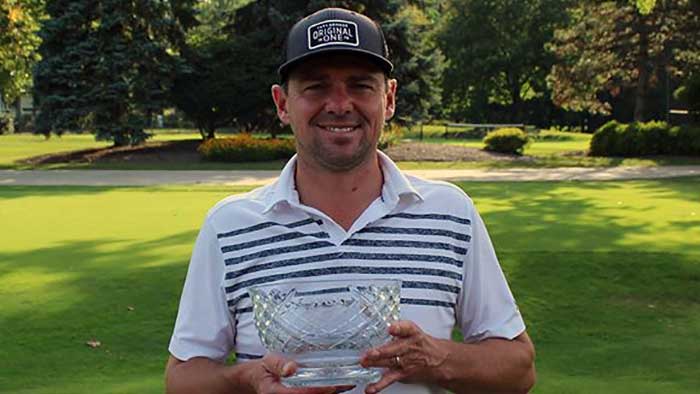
[[640, 95], [516, 106]]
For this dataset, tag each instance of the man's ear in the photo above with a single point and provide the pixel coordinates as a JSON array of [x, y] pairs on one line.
[[280, 99], [390, 107]]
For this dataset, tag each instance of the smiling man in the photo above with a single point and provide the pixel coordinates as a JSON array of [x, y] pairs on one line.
[[343, 210]]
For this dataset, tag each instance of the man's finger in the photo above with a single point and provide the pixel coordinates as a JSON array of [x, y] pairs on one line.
[[379, 363], [389, 377], [403, 329], [390, 350], [278, 365]]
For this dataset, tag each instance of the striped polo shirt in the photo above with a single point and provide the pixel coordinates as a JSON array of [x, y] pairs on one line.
[[426, 233]]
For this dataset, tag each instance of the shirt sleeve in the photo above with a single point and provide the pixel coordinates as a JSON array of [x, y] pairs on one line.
[[204, 326], [486, 307]]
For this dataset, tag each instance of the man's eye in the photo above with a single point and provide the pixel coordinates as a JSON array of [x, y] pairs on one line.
[[363, 86], [316, 86]]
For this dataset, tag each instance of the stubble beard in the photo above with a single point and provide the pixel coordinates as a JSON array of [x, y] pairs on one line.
[[327, 160]]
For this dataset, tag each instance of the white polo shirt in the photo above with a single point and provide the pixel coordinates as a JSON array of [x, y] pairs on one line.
[[426, 233]]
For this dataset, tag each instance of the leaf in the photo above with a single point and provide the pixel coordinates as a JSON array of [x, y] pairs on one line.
[[93, 343]]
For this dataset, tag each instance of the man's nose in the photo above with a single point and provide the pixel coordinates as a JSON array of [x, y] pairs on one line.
[[339, 102]]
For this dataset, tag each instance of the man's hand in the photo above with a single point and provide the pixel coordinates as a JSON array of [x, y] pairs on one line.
[[412, 356], [266, 378]]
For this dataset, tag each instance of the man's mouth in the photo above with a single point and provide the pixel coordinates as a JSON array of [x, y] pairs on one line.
[[339, 129]]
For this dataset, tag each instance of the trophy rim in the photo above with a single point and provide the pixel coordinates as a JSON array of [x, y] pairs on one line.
[[344, 282]]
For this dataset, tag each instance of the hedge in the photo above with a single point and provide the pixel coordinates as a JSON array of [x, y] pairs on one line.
[[7, 123], [244, 147], [645, 139], [506, 140]]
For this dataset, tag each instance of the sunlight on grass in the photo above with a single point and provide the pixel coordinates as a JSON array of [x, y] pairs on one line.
[[20, 146], [605, 273]]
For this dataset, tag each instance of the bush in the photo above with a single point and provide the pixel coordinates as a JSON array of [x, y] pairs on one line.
[[507, 140], [7, 123], [24, 124], [391, 135], [687, 140], [244, 147], [644, 139], [551, 135]]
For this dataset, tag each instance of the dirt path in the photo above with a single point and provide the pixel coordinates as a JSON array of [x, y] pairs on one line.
[[144, 178]]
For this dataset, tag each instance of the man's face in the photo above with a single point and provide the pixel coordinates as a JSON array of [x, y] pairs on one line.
[[336, 106]]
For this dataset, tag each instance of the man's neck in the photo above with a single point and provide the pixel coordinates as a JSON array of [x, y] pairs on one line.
[[343, 196]]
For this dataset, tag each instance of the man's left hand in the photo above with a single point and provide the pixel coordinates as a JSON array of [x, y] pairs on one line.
[[412, 356]]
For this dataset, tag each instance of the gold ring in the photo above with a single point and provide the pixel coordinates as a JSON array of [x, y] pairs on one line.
[[397, 360]]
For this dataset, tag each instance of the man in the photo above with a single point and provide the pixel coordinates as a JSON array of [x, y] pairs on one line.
[[342, 210]]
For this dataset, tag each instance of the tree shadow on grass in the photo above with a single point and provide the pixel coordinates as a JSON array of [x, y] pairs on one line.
[[608, 317], [583, 216], [122, 293], [606, 275], [12, 192]]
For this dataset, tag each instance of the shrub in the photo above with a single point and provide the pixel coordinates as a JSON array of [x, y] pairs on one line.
[[551, 135], [244, 147], [24, 124], [687, 140], [391, 135], [507, 140], [7, 123], [644, 139]]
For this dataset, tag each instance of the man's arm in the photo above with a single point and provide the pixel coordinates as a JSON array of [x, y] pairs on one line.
[[491, 366], [201, 375]]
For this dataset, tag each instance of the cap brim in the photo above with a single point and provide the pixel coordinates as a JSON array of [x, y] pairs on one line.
[[381, 62]]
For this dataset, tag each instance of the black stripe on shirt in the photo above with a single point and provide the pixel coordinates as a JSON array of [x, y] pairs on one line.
[[274, 239], [277, 251], [345, 270], [405, 244], [416, 231], [264, 225], [435, 216], [404, 285], [343, 255], [418, 301], [246, 356]]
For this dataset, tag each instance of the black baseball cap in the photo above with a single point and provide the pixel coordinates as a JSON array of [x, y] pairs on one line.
[[335, 30]]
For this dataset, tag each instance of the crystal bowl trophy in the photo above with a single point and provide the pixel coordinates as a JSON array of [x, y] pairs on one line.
[[325, 326]]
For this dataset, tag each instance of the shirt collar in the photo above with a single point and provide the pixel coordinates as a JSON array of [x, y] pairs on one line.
[[396, 185]]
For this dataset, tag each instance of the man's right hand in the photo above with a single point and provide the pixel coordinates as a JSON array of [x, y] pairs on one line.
[[267, 378]]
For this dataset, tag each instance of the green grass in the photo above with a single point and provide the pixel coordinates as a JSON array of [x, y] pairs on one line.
[[548, 143], [20, 146], [606, 275]]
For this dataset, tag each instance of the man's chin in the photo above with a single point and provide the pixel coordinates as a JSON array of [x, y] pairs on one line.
[[343, 163]]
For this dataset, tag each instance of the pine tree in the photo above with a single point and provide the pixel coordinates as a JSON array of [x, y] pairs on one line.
[[134, 71], [106, 66], [68, 53]]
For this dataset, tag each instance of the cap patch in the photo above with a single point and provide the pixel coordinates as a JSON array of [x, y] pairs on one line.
[[333, 32]]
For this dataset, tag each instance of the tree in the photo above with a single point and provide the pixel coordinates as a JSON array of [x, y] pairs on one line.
[[19, 41], [62, 77], [263, 24], [496, 54], [107, 66], [220, 72], [214, 89], [612, 47], [134, 70]]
